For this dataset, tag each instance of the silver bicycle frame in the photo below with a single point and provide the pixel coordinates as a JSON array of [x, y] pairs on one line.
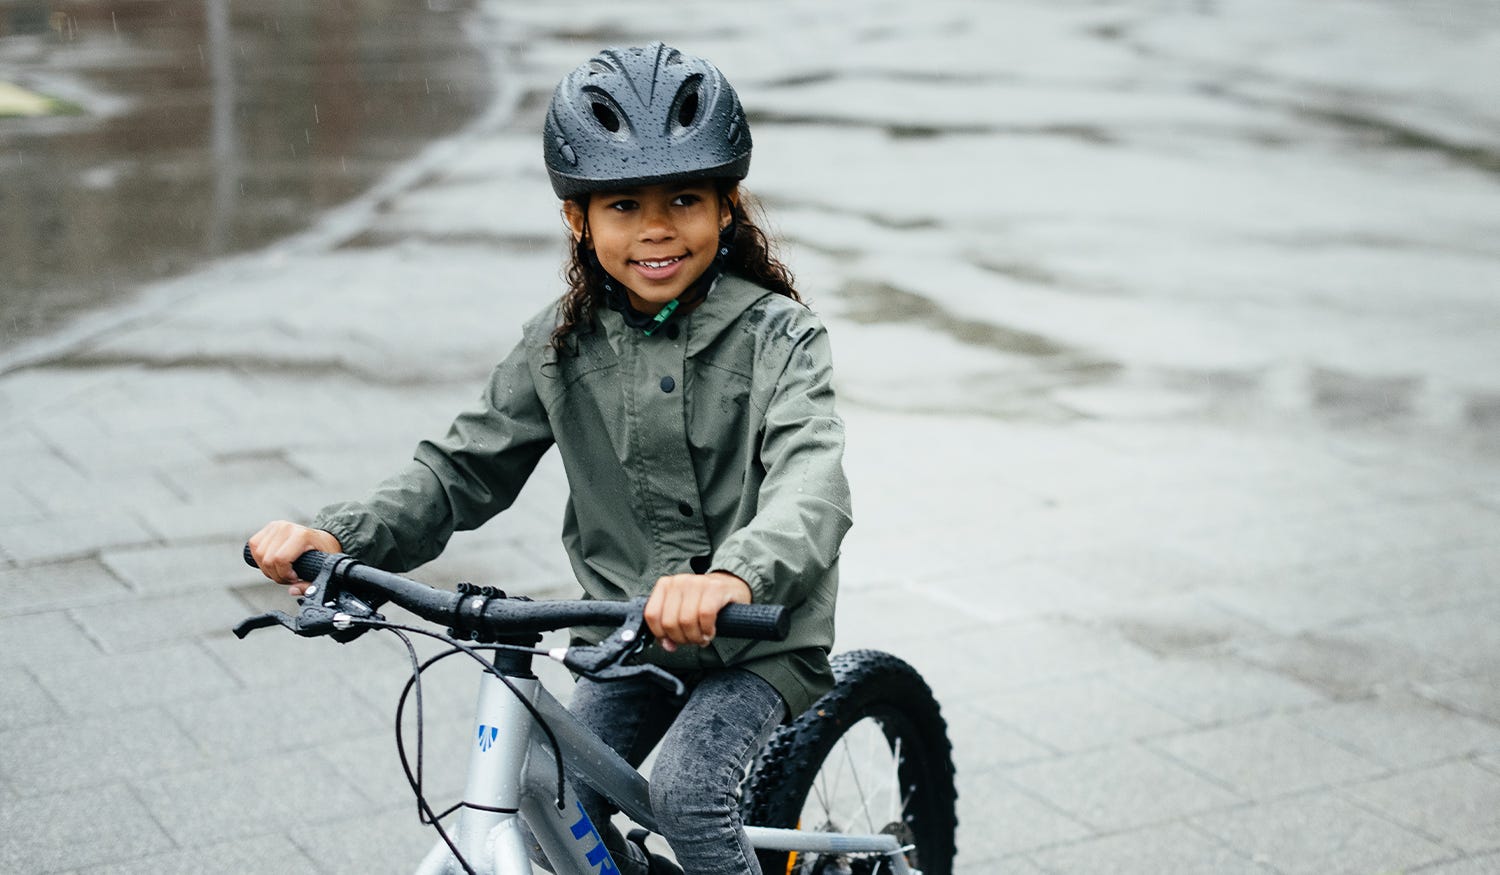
[[511, 768]]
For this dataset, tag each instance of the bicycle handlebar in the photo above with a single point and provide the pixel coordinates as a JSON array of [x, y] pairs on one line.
[[510, 616]]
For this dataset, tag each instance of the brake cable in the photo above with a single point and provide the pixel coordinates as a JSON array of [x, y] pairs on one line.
[[425, 811]]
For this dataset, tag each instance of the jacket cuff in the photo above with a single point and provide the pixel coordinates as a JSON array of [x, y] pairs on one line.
[[742, 569], [344, 525]]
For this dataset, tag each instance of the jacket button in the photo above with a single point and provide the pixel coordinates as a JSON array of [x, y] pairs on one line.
[[685, 509], [699, 564], [672, 332], [668, 384]]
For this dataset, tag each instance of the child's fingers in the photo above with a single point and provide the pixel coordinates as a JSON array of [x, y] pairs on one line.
[[671, 611]]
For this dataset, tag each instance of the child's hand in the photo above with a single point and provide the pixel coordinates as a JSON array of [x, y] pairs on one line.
[[276, 546], [683, 608]]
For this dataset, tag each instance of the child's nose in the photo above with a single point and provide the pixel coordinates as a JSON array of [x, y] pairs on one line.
[[656, 224]]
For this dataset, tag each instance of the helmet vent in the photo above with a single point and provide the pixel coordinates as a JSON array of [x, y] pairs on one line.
[[689, 103], [606, 117], [687, 112]]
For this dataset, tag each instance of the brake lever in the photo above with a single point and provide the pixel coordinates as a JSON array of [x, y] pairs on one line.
[[605, 661], [325, 611]]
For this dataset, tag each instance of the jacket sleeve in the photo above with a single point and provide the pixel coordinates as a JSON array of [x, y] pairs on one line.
[[803, 508], [452, 484]]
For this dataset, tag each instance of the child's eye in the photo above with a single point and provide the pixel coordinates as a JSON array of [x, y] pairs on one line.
[[622, 205], [685, 200]]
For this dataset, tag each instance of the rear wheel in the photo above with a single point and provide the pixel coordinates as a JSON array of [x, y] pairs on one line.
[[871, 756]]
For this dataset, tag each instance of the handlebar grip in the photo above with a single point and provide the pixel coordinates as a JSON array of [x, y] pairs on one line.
[[758, 622], [307, 565]]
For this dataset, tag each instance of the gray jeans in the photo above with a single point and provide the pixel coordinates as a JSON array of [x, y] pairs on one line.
[[706, 747]]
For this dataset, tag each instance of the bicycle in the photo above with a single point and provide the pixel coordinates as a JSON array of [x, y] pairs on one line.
[[880, 728]]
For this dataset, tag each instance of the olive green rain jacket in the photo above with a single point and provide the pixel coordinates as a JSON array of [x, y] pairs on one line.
[[710, 445]]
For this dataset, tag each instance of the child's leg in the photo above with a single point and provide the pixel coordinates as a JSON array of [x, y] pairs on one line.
[[703, 759], [630, 716]]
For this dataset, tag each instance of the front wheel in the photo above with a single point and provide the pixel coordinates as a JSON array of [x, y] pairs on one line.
[[870, 756]]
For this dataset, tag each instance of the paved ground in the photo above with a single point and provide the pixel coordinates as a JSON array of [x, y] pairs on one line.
[[1166, 345]]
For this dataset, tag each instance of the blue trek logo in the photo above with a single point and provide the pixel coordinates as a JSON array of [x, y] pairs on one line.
[[487, 736], [598, 855]]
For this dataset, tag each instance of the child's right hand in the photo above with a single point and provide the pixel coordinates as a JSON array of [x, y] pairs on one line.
[[280, 543]]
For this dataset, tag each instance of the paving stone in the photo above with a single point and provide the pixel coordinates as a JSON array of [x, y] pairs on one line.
[[268, 854], [1208, 690], [263, 720], [1121, 788], [1434, 579], [1179, 623], [134, 679], [1468, 637], [217, 519], [387, 840], [1487, 864], [32, 638], [72, 536], [39, 474], [1078, 714], [1296, 601], [1454, 802], [57, 832], [17, 507], [51, 586], [26, 702], [980, 742], [883, 617], [274, 657], [248, 797], [1010, 865], [1267, 758], [1349, 662], [122, 455], [68, 753], [1018, 590], [371, 764], [1401, 730], [1167, 848], [1318, 834], [999, 658], [121, 494], [995, 818], [1478, 696], [219, 479], [149, 622], [160, 570], [483, 558]]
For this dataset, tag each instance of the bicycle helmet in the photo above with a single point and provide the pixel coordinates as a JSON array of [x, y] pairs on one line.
[[640, 116]]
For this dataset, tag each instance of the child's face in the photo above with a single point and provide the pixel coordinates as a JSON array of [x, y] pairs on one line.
[[655, 240]]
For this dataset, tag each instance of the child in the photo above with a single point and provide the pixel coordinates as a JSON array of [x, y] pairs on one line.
[[688, 391]]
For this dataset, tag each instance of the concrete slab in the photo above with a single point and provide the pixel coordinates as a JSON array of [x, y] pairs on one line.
[[1321, 833], [1453, 802], [1122, 788], [1169, 848]]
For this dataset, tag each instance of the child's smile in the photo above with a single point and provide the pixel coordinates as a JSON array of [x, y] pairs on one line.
[[656, 240]]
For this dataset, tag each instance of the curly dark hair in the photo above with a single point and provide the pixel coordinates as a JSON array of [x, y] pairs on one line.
[[750, 256]]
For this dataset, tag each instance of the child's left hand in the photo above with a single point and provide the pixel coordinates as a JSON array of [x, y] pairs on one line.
[[683, 608]]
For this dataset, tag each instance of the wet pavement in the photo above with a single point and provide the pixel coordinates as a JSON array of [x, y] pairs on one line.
[[1166, 343], [193, 130]]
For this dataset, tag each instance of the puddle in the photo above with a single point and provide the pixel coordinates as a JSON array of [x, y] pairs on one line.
[[207, 128]]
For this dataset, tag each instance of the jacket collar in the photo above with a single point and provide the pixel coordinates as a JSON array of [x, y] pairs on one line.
[[729, 297]]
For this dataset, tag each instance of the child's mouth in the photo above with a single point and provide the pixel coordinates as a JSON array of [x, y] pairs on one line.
[[658, 268]]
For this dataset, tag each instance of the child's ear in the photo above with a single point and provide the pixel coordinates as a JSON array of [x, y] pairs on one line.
[[729, 201], [574, 215]]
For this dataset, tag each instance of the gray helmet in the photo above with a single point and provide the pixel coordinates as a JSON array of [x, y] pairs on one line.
[[643, 115]]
